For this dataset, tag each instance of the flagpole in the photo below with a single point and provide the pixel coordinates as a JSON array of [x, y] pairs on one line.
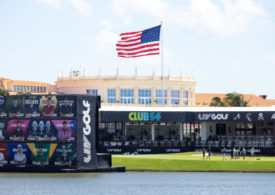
[[162, 63]]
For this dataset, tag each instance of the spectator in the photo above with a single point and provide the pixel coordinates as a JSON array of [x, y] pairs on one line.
[[209, 154], [232, 154], [252, 153], [203, 153], [224, 153], [244, 153]]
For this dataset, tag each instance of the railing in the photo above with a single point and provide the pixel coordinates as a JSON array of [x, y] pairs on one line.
[[222, 142]]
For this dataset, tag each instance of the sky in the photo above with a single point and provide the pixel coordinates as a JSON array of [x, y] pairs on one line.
[[229, 45]]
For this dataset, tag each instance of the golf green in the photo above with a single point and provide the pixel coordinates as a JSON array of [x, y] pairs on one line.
[[193, 161]]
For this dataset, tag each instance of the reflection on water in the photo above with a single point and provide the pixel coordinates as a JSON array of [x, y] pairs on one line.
[[137, 183]]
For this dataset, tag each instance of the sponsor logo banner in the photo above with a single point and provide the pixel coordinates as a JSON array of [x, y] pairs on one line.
[[145, 116], [87, 111]]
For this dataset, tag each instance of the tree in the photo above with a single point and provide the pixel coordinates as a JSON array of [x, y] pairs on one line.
[[217, 102], [23, 93], [4, 92], [231, 100], [235, 100]]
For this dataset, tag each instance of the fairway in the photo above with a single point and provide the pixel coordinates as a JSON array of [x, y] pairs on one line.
[[192, 161]]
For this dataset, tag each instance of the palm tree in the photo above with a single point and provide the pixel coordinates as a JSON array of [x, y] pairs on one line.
[[235, 99], [4, 92], [23, 93], [217, 102]]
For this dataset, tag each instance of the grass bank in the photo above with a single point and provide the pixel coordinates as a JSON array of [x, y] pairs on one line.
[[192, 162]]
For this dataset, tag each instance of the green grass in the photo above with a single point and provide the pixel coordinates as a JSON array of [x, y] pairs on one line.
[[192, 161]]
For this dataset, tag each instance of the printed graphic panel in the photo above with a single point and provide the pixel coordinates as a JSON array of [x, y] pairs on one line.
[[42, 153], [3, 112], [19, 154], [31, 106], [3, 129], [41, 130], [66, 106], [17, 130], [4, 155], [15, 106], [66, 129], [65, 155], [48, 106]]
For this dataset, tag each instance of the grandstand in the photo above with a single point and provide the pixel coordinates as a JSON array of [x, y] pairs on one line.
[[180, 129]]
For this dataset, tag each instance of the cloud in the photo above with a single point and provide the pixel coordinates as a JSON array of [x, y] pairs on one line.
[[204, 16], [82, 6], [53, 3], [225, 18], [270, 58], [153, 7], [106, 24], [104, 43]]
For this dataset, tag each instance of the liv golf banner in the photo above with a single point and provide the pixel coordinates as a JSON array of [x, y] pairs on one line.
[[87, 124]]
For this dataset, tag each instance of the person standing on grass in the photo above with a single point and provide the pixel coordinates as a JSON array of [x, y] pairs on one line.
[[252, 152], [235, 153], [209, 154], [231, 153], [203, 153], [244, 153], [224, 153]]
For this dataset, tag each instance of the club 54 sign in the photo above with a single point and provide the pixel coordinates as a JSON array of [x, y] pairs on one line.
[[144, 116]]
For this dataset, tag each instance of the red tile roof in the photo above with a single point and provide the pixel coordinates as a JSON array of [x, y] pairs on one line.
[[204, 99]]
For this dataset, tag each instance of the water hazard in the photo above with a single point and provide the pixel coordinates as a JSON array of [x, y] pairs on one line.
[[138, 183]]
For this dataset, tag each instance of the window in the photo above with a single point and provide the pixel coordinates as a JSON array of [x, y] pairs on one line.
[[111, 96], [144, 96], [159, 96], [92, 92], [174, 97], [185, 97], [111, 127], [127, 96]]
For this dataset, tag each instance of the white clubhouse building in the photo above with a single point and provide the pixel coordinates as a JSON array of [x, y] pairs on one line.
[[134, 90]]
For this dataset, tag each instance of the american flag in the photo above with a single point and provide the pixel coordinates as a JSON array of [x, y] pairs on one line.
[[140, 43]]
